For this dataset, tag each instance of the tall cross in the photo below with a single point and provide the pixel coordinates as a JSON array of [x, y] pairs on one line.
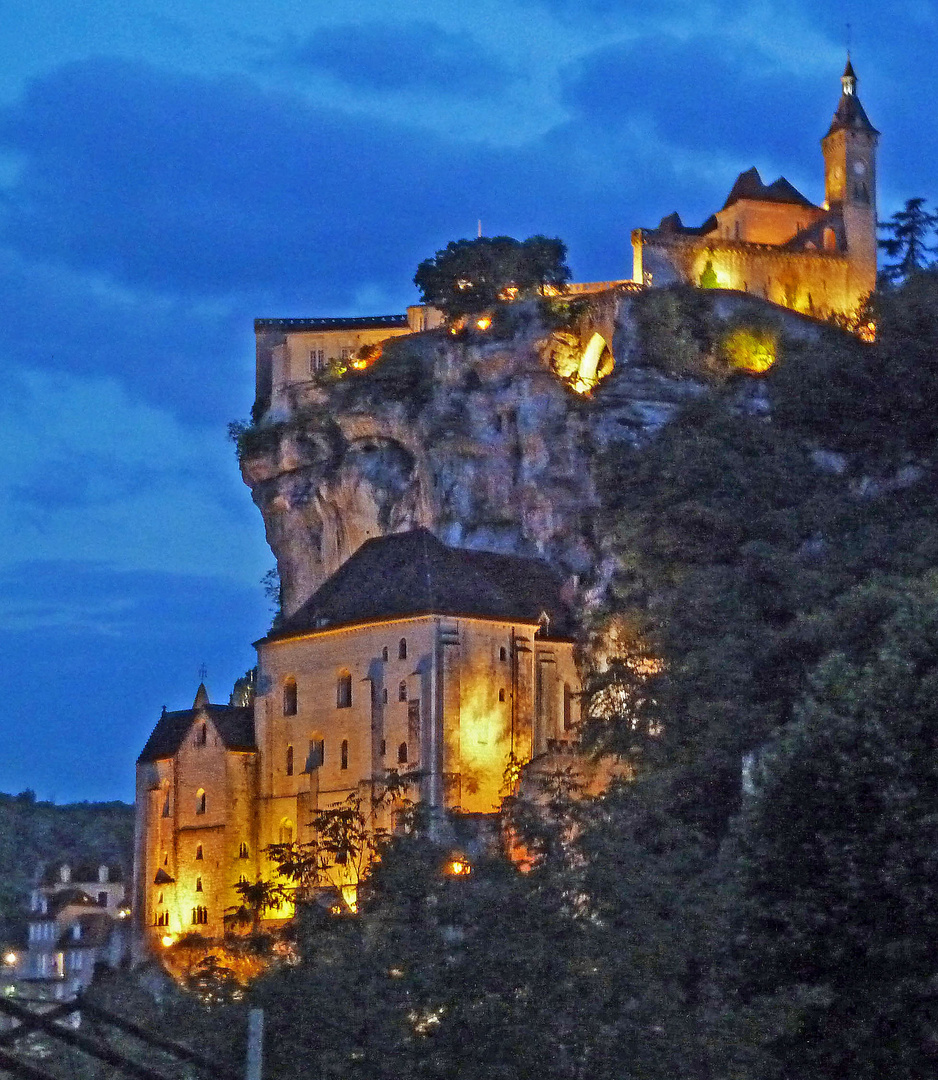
[[203, 673]]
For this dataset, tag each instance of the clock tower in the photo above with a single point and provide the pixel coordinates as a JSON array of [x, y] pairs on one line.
[[849, 149]]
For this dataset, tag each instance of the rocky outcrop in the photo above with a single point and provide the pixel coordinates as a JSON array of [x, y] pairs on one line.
[[488, 440]]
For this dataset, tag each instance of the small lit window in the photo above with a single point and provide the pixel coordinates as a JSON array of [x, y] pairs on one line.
[[198, 884], [199, 916], [289, 697], [289, 762], [501, 694], [343, 690], [243, 850], [286, 831], [402, 649], [402, 754], [402, 691], [198, 852], [343, 761], [200, 801]]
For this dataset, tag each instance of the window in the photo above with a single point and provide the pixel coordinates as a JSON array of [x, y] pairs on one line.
[[317, 754], [102, 899], [402, 691], [384, 653], [384, 747], [317, 360], [343, 761], [289, 697], [243, 850], [402, 754], [198, 852], [200, 801], [198, 884], [286, 831], [343, 690], [201, 735], [402, 649], [384, 696], [501, 694], [503, 654], [344, 353], [199, 916], [166, 801], [567, 707], [289, 762]]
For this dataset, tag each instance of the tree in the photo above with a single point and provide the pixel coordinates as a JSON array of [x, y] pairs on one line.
[[469, 277], [839, 861], [907, 241]]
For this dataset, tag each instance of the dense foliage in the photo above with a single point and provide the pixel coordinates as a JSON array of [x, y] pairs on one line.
[[468, 277]]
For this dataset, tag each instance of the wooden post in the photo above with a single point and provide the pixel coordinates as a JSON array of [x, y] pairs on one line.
[[254, 1061]]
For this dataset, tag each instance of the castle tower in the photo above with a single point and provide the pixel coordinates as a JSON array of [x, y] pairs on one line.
[[849, 149]]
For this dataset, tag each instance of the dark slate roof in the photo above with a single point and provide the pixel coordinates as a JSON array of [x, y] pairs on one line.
[[851, 115], [81, 873], [749, 186], [365, 322], [414, 573], [234, 723]]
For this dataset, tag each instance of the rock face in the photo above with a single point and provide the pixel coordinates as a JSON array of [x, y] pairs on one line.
[[483, 439]]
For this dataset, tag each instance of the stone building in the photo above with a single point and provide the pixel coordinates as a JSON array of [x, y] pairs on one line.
[[447, 668], [768, 239]]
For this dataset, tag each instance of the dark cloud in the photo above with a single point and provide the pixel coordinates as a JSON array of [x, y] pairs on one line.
[[91, 655], [385, 57]]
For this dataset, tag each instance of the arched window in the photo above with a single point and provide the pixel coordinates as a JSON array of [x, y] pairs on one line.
[[201, 735], [165, 798], [384, 653], [317, 754], [243, 850], [198, 884], [343, 760], [198, 852], [501, 694], [289, 763], [343, 690], [503, 654], [830, 240], [286, 831], [402, 754], [402, 649], [402, 691], [200, 801], [289, 697]]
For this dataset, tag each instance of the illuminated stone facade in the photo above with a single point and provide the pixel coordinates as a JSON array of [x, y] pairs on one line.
[[447, 668], [769, 240]]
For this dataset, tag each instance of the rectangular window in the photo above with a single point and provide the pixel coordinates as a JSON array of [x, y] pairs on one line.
[[317, 360], [344, 354]]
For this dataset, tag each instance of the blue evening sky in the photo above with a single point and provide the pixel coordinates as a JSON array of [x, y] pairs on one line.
[[170, 171]]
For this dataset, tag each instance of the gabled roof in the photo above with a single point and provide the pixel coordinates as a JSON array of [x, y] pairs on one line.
[[414, 573], [234, 724], [749, 186]]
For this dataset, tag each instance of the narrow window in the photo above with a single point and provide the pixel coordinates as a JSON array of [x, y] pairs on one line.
[[289, 763], [384, 653], [317, 754], [102, 899], [503, 654], [402, 649], [402, 691], [402, 754], [343, 690], [344, 755], [166, 804], [289, 697], [200, 801], [384, 747], [243, 851], [384, 696], [501, 694], [567, 707], [201, 736], [198, 884], [286, 831], [198, 852]]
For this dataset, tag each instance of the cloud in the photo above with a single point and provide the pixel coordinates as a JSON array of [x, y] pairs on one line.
[[401, 56], [90, 657]]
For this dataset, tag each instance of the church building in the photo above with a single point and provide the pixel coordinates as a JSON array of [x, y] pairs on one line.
[[448, 669], [769, 240]]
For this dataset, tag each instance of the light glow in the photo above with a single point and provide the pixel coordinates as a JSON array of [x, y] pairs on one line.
[[458, 867], [167, 940], [10, 958], [484, 322]]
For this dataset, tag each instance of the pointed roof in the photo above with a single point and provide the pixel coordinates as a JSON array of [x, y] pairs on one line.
[[749, 186], [850, 114], [234, 724], [201, 697], [405, 575]]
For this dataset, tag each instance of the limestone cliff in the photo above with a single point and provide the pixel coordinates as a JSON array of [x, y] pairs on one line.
[[490, 438]]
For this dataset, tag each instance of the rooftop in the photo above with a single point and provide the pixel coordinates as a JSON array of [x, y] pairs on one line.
[[365, 322]]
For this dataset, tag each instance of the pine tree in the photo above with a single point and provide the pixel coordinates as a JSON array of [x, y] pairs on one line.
[[907, 243]]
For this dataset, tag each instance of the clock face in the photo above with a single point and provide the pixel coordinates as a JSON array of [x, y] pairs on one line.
[[859, 168]]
